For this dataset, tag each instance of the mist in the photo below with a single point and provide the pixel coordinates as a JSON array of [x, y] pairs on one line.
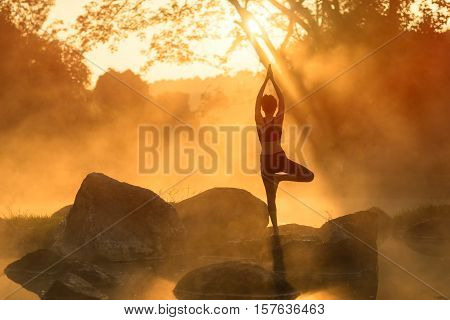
[[377, 133]]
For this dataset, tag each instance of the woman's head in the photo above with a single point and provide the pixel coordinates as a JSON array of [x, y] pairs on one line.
[[269, 104]]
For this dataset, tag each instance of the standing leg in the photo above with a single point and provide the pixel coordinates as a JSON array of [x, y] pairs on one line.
[[277, 252], [271, 187]]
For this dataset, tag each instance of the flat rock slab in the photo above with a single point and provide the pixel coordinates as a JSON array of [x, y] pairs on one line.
[[37, 271], [73, 287]]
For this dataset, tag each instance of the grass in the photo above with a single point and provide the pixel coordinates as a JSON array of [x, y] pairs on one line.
[[21, 234]]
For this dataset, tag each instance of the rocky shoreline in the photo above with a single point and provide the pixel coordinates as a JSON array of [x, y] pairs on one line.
[[215, 245]]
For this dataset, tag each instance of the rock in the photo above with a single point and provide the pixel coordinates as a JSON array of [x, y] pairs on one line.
[[261, 249], [238, 250], [349, 254], [73, 287], [222, 214], [342, 253], [233, 280], [350, 264], [39, 269], [292, 239], [116, 221], [296, 232], [62, 213], [367, 226], [60, 216], [298, 258], [96, 275], [29, 270], [37, 261], [313, 265]]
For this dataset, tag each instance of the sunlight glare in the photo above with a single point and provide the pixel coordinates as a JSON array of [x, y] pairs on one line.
[[254, 27]]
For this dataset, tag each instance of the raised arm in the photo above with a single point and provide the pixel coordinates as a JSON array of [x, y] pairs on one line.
[[258, 115], [280, 114]]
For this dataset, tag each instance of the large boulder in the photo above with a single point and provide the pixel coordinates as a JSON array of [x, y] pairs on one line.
[[349, 254], [233, 280], [117, 221], [218, 215], [365, 226]]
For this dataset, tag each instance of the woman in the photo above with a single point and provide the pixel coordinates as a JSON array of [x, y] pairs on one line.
[[275, 166]]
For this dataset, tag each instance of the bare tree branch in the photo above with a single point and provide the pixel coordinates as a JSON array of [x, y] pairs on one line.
[[288, 36], [291, 14]]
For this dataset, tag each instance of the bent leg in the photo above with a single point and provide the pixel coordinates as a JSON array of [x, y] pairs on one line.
[[271, 187], [296, 172]]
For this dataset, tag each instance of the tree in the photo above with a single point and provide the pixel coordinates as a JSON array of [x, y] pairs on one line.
[[26, 19], [41, 78], [113, 96], [173, 29], [176, 30], [28, 16]]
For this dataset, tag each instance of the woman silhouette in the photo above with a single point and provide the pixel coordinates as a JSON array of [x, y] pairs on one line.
[[275, 165]]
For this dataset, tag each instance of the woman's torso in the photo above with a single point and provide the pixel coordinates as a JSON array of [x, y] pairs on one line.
[[269, 135]]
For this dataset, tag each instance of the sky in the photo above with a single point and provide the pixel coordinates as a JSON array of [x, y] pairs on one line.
[[129, 56]]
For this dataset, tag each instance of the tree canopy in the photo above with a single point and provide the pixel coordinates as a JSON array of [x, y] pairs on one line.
[[210, 31], [173, 28]]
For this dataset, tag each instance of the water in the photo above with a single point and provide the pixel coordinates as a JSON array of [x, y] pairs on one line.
[[394, 283]]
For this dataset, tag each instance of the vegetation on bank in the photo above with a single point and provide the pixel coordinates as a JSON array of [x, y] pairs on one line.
[[409, 218], [21, 234]]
